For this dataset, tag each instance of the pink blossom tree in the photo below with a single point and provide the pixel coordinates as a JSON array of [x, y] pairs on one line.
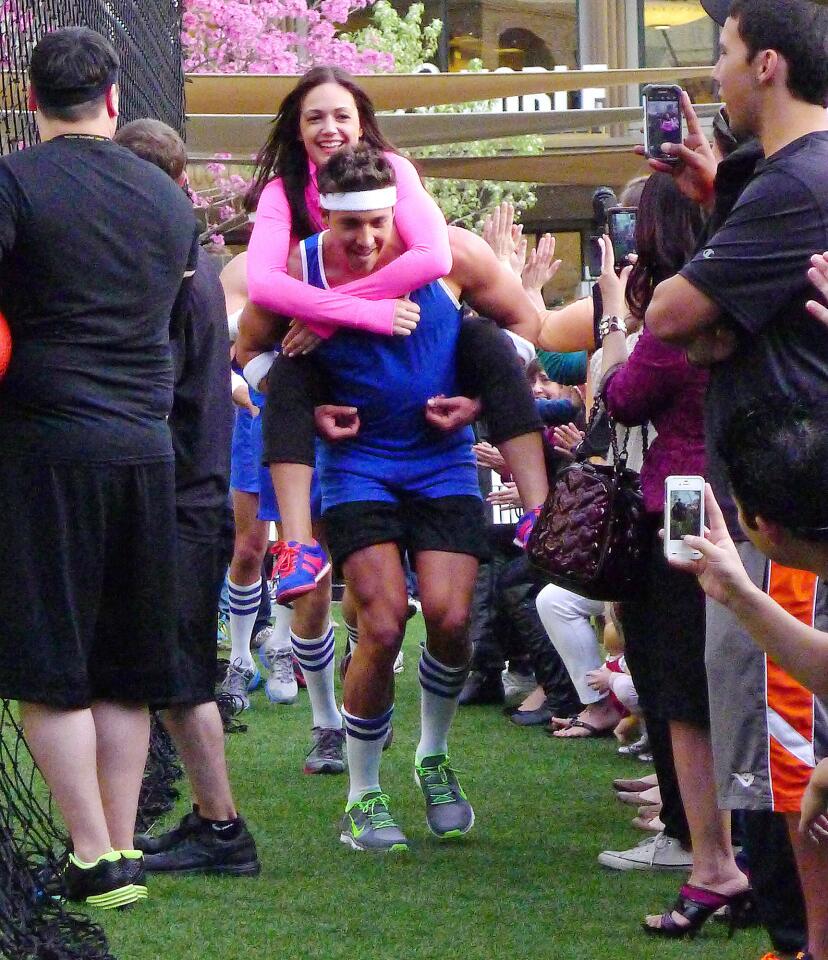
[[273, 36]]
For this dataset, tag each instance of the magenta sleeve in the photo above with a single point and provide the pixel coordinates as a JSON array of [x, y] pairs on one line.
[[269, 285]]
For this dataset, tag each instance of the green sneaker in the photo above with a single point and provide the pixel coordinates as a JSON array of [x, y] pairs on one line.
[[367, 825], [448, 812]]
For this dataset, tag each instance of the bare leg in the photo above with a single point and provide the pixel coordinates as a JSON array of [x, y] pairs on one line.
[[311, 611], [251, 539], [376, 579], [292, 483], [524, 457], [446, 587], [63, 744], [713, 865], [198, 735], [812, 865], [122, 744]]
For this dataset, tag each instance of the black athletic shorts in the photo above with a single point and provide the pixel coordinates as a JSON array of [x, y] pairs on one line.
[[445, 524], [202, 565], [87, 583]]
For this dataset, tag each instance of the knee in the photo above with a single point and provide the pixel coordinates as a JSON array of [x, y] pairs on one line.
[[449, 625], [248, 551], [381, 631]]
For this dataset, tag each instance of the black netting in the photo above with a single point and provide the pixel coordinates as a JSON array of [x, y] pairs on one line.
[[158, 790], [146, 34], [33, 924]]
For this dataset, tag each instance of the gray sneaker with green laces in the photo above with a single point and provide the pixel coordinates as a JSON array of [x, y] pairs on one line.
[[448, 812], [368, 825]]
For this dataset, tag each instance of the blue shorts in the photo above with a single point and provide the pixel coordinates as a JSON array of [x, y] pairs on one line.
[[377, 478], [249, 475]]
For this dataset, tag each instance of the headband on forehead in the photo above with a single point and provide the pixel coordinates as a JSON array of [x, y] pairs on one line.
[[360, 200], [72, 96]]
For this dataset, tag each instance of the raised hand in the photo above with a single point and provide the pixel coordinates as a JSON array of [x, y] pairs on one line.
[[541, 266], [695, 173]]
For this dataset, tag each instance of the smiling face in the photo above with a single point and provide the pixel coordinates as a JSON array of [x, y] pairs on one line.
[[328, 120], [361, 236], [738, 80]]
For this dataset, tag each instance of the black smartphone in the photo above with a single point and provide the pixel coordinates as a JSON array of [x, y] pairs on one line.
[[621, 224], [662, 120]]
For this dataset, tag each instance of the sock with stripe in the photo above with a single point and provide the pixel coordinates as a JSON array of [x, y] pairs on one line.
[[353, 636], [244, 608], [365, 739], [316, 657], [440, 688]]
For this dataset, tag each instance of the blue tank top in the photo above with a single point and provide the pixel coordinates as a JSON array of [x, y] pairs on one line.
[[389, 380]]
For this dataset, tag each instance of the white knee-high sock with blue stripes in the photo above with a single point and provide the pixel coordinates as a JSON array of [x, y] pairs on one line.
[[365, 738], [440, 688], [244, 608], [316, 657]]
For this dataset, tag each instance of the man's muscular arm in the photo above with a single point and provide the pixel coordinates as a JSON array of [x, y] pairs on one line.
[[493, 291], [259, 331]]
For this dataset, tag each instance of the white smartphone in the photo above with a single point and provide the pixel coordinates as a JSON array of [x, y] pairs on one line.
[[683, 515]]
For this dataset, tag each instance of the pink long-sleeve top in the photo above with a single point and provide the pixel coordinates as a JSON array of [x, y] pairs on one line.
[[364, 304]]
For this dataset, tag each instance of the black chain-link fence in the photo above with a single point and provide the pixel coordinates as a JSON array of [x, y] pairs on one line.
[[146, 34]]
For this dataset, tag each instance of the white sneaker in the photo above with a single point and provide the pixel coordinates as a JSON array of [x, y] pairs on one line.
[[655, 853], [517, 686], [399, 664], [281, 686], [262, 638]]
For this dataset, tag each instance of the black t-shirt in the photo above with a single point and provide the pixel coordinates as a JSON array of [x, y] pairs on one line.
[[755, 268], [94, 243], [201, 421]]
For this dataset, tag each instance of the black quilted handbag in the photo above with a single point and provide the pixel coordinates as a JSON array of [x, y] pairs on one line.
[[590, 537]]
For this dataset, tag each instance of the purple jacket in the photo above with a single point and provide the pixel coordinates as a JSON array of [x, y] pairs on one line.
[[657, 384]]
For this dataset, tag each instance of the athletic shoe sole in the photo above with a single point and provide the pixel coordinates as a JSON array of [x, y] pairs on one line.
[[281, 700], [349, 841], [283, 597], [117, 899]]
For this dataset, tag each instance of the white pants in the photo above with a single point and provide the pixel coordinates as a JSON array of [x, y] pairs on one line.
[[565, 617]]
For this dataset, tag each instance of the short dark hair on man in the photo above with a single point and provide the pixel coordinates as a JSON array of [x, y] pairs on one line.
[[70, 72], [798, 30], [156, 142], [776, 456], [356, 168]]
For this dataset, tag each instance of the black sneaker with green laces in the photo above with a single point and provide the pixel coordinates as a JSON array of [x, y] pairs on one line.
[[368, 825], [113, 882], [449, 814]]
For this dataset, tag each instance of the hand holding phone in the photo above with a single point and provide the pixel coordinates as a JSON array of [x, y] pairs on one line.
[[621, 223], [662, 120], [683, 515]]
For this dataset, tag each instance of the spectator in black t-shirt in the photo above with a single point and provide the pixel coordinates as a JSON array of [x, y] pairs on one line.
[[95, 249], [741, 302], [213, 838]]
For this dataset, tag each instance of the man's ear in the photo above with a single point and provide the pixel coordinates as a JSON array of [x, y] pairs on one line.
[[770, 530], [112, 101]]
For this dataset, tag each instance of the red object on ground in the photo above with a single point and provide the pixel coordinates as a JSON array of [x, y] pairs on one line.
[[5, 345]]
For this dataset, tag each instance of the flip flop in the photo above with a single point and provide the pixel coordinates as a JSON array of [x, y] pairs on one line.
[[577, 723]]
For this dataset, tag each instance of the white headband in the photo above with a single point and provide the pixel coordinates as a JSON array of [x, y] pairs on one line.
[[360, 200]]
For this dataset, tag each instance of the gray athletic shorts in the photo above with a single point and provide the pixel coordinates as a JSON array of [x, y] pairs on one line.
[[768, 731]]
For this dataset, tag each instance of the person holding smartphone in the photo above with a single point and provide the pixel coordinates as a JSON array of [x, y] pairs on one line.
[[665, 627], [741, 305]]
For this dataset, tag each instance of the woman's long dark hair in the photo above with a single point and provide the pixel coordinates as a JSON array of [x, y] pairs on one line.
[[665, 238], [284, 154]]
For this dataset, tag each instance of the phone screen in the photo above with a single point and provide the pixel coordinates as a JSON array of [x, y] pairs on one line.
[[622, 233], [684, 508], [663, 123]]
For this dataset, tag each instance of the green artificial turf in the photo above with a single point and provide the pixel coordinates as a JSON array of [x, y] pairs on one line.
[[523, 884]]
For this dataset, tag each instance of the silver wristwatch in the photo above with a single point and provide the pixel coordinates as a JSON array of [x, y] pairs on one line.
[[611, 325]]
